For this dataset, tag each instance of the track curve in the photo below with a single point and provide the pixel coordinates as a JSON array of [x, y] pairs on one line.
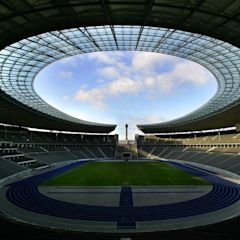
[[25, 195]]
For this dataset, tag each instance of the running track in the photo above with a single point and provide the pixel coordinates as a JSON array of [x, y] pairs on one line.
[[25, 195]]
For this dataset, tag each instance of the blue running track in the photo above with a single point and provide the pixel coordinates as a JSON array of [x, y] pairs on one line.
[[25, 195], [126, 201]]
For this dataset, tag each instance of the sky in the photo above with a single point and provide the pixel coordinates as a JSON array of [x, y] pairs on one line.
[[125, 87]]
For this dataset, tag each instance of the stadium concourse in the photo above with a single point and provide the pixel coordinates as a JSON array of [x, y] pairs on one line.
[[74, 180]]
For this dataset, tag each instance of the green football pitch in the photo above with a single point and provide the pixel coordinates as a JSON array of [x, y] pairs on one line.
[[124, 174]]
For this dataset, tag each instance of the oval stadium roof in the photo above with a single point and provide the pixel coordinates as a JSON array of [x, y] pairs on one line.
[[22, 60]]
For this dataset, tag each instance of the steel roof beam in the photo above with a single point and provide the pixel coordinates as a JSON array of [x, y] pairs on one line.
[[146, 20], [107, 15]]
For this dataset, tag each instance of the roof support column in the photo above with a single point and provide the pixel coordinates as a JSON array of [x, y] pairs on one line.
[[238, 127]]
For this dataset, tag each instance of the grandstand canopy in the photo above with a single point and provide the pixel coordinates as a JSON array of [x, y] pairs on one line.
[[25, 19]]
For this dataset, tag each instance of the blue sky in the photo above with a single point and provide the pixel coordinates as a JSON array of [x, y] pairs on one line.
[[125, 87]]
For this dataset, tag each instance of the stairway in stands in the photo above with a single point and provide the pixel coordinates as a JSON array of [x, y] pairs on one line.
[[125, 148]]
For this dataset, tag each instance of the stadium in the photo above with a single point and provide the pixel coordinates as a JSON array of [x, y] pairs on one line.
[[76, 180]]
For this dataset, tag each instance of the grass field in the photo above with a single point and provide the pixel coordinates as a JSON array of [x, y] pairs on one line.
[[124, 174]]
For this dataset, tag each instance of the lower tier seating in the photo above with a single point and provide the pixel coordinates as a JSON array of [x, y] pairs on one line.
[[225, 161], [8, 168]]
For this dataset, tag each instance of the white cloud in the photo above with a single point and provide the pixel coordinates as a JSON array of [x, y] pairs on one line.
[[143, 73], [102, 57], [65, 74], [70, 61], [191, 72], [108, 72], [146, 61], [159, 83], [94, 96], [66, 98], [123, 85], [151, 118], [100, 80]]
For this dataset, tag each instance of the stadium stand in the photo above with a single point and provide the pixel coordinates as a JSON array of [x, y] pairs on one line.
[[23, 148], [8, 168], [216, 149]]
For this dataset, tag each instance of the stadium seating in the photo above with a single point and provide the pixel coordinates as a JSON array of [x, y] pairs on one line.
[[8, 168], [214, 149], [21, 148]]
